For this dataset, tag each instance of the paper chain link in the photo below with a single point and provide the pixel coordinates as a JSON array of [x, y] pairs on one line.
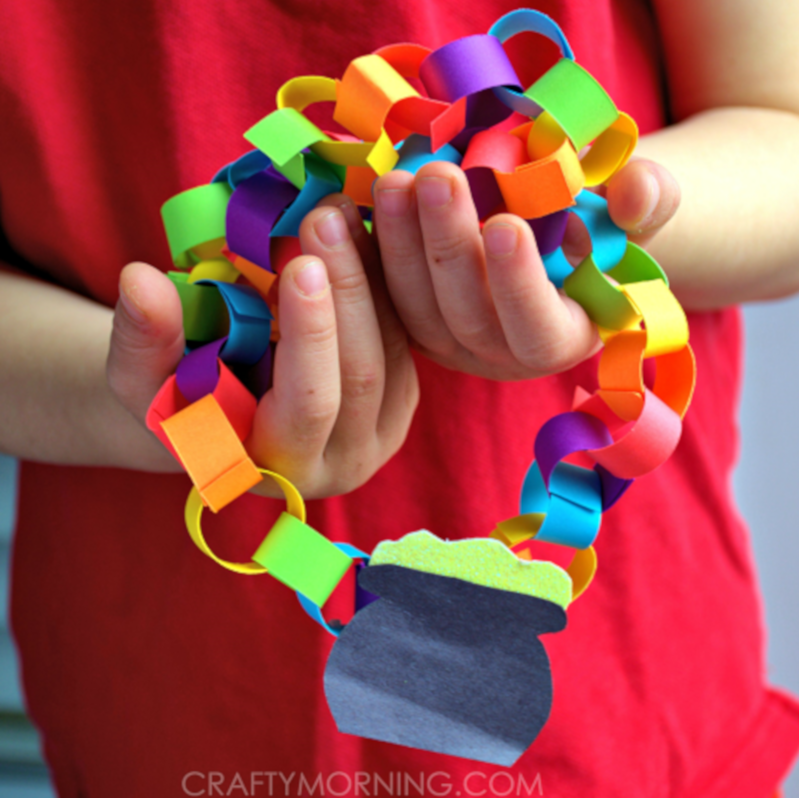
[[244, 224]]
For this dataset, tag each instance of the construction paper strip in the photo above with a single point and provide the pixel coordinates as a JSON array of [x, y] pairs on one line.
[[582, 569], [664, 318], [636, 266], [367, 91], [219, 269], [193, 516], [520, 21], [675, 379], [235, 400], [613, 487], [254, 208], [549, 231], [577, 102], [405, 58], [262, 279], [380, 154], [608, 242], [528, 20], [204, 317], [211, 452], [649, 443], [250, 320], [194, 217], [320, 181], [439, 121], [416, 151], [302, 559], [605, 304], [198, 372], [566, 434], [610, 151], [362, 597], [257, 379], [246, 166], [621, 363], [298, 93], [537, 189], [566, 522]]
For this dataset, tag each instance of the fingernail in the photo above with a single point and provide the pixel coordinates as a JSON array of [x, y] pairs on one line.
[[312, 278], [434, 192], [127, 295], [394, 201], [332, 229], [501, 240], [652, 200]]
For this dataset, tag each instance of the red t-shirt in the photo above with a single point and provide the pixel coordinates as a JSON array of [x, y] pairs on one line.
[[142, 660]]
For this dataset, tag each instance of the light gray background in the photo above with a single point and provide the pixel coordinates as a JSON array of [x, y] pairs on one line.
[[766, 486]]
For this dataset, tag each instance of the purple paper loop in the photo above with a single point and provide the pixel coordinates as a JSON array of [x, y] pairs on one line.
[[197, 374], [549, 231], [566, 434], [253, 209], [613, 487], [467, 66]]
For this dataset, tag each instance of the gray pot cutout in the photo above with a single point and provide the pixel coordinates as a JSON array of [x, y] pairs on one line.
[[444, 665]]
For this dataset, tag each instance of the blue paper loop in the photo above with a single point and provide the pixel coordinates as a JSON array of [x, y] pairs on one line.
[[250, 323], [313, 610], [415, 153], [249, 164], [573, 508]]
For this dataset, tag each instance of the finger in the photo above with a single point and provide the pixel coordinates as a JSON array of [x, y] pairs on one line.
[[295, 417], [364, 242], [324, 233], [404, 261], [642, 198], [546, 332], [401, 385], [455, 257], [147, 338]]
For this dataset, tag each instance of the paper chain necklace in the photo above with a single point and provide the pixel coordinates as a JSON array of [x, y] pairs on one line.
[[245, 223]]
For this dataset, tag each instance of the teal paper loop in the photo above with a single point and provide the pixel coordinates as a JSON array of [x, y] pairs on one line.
[[415, 152], [573, 508], [525, 20], [249, 164], [320, 181], [314, 610], [609, 242], [558, 268], [250, 323]]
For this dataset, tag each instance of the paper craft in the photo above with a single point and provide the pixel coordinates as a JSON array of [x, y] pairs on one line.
[[443, 651], [444, 664]]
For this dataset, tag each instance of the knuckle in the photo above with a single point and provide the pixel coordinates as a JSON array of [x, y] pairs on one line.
[[446, 251], [351, 287], [361, 383]]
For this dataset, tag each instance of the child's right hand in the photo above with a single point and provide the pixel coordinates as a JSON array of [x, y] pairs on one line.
[[345, 386]]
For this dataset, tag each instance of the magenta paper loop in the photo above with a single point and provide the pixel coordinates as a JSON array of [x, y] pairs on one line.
[[253, 209], [467, 66], [198, 373], [566, 434]]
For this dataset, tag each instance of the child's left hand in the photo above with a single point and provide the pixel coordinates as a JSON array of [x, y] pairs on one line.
[[482, 303]]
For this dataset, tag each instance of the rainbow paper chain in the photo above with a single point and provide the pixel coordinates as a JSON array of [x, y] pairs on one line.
[[244, 224]]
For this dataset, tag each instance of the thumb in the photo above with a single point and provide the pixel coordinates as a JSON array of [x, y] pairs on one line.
[[147, 338]]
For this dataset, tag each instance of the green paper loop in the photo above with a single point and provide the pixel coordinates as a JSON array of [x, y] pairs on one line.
[[204, 314], [637, 266], [301, 558], [195, 217], [575, 100], [605, 304]]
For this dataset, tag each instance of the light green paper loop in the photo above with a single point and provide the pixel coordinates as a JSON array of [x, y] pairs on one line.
[[637, 266], [204, 314], [301, 558], [282, 136], [195, 217], [605, 304], [576, 101]]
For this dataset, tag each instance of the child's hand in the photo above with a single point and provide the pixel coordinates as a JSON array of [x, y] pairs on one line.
[[345, 386], [482, 304]]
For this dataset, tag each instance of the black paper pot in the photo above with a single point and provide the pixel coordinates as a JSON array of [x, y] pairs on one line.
[[444, 665]]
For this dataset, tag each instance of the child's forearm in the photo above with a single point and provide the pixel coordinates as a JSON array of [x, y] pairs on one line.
[[736, 235], [56, 403]]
